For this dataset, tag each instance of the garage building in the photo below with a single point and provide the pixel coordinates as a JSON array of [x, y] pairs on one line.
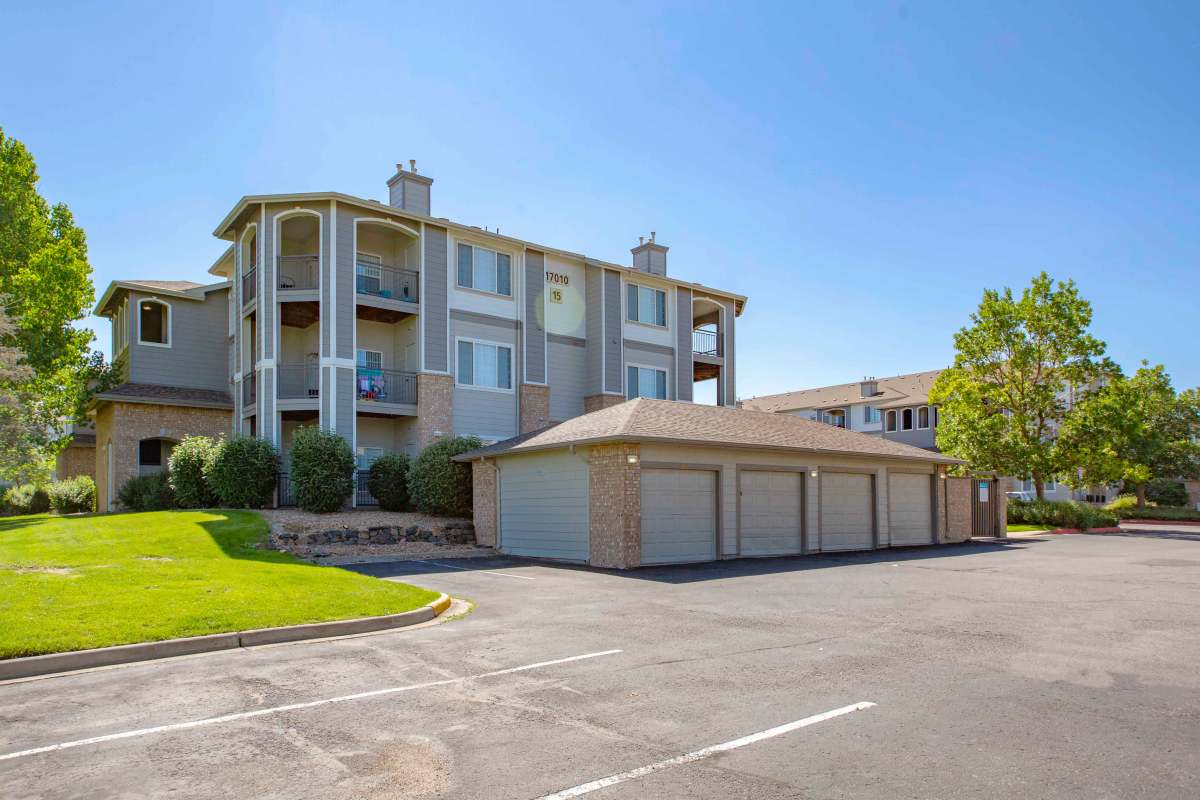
[[660, 482]]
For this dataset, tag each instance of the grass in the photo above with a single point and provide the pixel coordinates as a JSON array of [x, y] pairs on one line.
[[1026, 528], [71, 583]]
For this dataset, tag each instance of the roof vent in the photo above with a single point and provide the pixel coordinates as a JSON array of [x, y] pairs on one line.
[[650, 256], [868, 387]]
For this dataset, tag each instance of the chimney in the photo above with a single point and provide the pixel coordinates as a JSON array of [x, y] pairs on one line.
[[650, 256], [868, 387], [408, 190]]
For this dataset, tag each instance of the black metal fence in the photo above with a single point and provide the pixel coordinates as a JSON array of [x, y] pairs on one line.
[[249, 285], [299, 272], [299, 381], [249, 389], [286, 496], [387, 385], [382, 280], [363, 496], [706, 343]]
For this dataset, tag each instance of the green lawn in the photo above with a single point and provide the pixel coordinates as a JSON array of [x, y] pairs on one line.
[[70, 583], [1026, 528]]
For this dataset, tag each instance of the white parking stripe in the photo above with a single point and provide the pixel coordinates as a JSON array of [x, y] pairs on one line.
[[697, 755], [261, 712], [484, 571]]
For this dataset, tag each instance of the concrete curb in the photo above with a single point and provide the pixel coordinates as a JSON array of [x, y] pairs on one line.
[[1169, 522], [168, 648]]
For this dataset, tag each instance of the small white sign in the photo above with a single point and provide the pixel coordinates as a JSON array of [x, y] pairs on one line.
[[983, 492]]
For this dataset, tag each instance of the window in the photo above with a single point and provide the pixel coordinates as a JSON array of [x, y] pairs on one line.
[[154, 323], [646, 382], [936, 416], [369, 359], [369, 273], [1048, 486], [484, 365], [643, 304], [367, 456], [891, 421], [906, 419], [150, 453], [870, 414], [923, 417], [485, 270]]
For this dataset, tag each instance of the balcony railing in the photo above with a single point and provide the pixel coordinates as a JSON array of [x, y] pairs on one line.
[[362, 494], [380, 280], [249, 389], [249, 285], [386, 385], [299, 272], [706, 343], [299, 381]]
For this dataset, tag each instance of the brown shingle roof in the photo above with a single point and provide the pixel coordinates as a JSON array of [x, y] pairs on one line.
[[167, 395], [645, 420], [170, 286], [899, 390]]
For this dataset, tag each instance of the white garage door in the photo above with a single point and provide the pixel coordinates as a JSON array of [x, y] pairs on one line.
[[846, 511], [544, 506], [910, 512], [769, 506], [679, 516]]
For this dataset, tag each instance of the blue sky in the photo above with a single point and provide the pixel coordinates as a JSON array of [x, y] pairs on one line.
[[860, 171]]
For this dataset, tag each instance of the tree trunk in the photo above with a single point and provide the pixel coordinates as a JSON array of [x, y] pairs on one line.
[[1039, 488], [1141, 495]]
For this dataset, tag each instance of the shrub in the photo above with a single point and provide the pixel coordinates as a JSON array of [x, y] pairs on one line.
[[243, 472], [1122, 504], [1166, 492], [27, 499], [438, 485], [146, 493], [322, 470], [388, 481], [1162, 512], [190, 461], [73, 496], [1059, 514]]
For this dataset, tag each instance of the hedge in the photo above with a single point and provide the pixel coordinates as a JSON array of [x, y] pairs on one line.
[[1167, 492], [322, 470], [388, 481], [146, 493], [26, 499], [438, 485], [243, 472], [73, 496], [1059, 514], [191, 459]]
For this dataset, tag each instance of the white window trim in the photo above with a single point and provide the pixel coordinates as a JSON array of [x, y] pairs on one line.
[[893, 414], [928, 418], [358, 350], [170, 319], [512, 269], [666, 306], [657, 368], [511, 366], [912, 415]]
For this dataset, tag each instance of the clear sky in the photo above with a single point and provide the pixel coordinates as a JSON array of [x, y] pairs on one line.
[[860, 171]]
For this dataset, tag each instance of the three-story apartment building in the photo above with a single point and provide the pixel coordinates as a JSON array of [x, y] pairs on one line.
[[394, 328]]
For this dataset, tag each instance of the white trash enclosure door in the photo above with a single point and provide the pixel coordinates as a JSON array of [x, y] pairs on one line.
[[769, 505], [679, 516], [846, 511], [910, 508], [544, 507]]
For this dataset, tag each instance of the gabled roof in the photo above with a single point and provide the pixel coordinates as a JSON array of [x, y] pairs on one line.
[[188, 290], [674, 422], [160, 394], [898, 390]]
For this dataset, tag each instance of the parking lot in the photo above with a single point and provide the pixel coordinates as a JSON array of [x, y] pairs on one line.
[[1050, 666]]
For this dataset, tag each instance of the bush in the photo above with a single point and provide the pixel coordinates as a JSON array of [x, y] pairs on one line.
[[190, 461], [438, 485], [1161, 512], [243, 472], [1122, 504], [322, 470], [1059, 514], [27, 499], [73, 496], [388, 482], [1167, 492], [146, 493]]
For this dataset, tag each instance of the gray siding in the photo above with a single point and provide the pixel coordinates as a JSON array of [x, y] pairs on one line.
[[343, 275], [345, 397], [568, 376], [652, 355], [535, 323], [613, 366], [917, 438], [198, 356], [727, 371], [483, 412], [595, 330], [683, 343], [433, 299]]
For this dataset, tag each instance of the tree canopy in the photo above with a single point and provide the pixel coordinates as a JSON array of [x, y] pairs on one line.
[[1016, 367]]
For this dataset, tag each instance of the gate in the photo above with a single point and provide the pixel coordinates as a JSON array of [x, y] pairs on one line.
[[985, 507]]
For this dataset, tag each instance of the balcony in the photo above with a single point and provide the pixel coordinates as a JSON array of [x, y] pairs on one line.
[[835, 418], [249, 389], [299, 272], [390, 283], [299, 381], [249, 286], [707, 343], [391, 386]]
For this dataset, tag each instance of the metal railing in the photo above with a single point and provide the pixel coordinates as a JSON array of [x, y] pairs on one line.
[[249, 285], [706, 343], [249, 389], [381, 280], [299, 272], [386, 385], [299, 381], [286, 496], [362, 494]]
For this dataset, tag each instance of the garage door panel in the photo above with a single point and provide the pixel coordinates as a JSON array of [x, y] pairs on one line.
[[910, 509], [544, 507], [679, 519], [847, 504], [770, 512]]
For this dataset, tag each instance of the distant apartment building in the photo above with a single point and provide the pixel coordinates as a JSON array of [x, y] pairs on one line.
[[394, 328]]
